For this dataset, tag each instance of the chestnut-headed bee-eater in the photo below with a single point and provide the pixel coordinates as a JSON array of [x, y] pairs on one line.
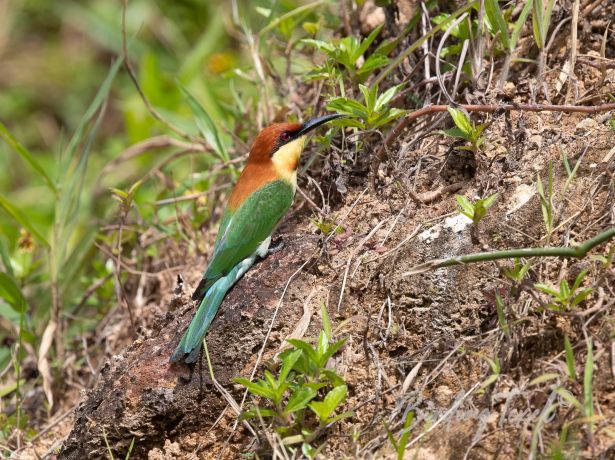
[[262, 195]]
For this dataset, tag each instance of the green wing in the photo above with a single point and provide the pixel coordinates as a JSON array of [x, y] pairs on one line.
[[243, 231]]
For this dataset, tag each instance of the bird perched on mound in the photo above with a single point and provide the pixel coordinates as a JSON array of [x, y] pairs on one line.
[[262, 195]]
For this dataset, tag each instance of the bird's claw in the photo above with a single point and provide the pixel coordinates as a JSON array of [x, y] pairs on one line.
[[278, 247]]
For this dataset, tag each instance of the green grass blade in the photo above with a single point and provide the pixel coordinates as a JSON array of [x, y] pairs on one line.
[[417, 44], [100, 97], [570, 363], [23, 220], [27, 156], [206, 125], [514, 38], [496, 18], [588, 400], [10, 292], [5, 257]]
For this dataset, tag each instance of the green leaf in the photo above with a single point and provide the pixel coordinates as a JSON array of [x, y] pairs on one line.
[[323, 409], [306, 347], [23, 220], [588, 402], [348, 107], [580, 297], [570, 362], [26, 155], [337, 418], [256, 388], [579, 279], [206, 125], [386, 117], [10, 291], [365, 44], [386, 97], [496, 18], [256, 411], [466, 207], [330, 351], [499, 304], [375, 61], [546, 289], [333, 377], [288, 363], [514, 38], [461, 120], [488, 202], [569, 397], [543, 378], [454, 132], [403, 439], [300, 399], [326, 323], [11, 387], [5, 257]]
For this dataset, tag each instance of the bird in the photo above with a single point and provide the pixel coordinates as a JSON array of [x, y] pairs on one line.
[[262, 195]]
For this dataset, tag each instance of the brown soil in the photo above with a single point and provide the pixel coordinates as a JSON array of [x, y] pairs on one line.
[[413, 342]]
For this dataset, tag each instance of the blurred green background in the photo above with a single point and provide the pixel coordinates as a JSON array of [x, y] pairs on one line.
[[67, 142]]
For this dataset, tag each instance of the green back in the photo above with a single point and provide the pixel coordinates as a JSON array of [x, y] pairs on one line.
[[242, 231]]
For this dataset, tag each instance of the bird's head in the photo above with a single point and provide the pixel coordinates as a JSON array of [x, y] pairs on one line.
[[282, 143]]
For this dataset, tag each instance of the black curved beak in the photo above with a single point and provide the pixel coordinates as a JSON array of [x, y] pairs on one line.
[[316, 122]]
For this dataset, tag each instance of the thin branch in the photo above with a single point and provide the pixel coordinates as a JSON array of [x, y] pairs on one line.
[[577, 252]]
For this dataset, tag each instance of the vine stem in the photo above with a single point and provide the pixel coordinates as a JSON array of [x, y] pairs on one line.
[[577, 252]]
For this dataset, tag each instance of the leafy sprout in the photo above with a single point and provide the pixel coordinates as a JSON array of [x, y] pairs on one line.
[[304, 390], [373, 113], [477, 210], [465, 129]]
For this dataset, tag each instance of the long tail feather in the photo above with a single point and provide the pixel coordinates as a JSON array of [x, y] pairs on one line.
[[190, 343]]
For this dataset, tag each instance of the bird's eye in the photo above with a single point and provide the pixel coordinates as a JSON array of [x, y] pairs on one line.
[[285, 136]]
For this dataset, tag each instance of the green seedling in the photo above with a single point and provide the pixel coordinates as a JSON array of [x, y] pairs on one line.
[[496, 370], [326, 226], [546, 201], [499, 27], [400, 444], [477, 210], [465, 129], [565, 297], [541, 21], [343, 56], [499, 305], [305, 397], [373, 113], [517, 272]]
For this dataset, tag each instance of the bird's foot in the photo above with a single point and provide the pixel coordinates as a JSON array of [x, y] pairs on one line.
[[278, 247]]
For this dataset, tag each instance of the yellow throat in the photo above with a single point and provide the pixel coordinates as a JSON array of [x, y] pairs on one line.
[[286, 159]]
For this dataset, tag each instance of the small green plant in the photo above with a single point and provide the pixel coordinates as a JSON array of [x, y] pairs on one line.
[[541, 20], [580, 411], [400, 444], [465, 129], [503, 323], [344, 55], [304, 399], [517, 272], [546, 201], [477, 210], [375, 111], [496, 370], [499, 26], [565, 297], [325, 225]]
